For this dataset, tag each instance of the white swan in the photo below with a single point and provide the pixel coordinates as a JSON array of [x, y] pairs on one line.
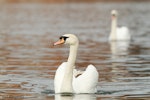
[[118, 33], [67, 78]]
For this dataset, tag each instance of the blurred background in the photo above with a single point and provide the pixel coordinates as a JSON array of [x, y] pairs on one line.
[[63, 1], [28, 59]]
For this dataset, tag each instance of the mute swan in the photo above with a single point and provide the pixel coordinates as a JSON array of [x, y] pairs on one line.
[[67, 78], [118, 33]]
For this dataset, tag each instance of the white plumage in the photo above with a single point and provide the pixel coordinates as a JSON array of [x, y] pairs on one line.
[[118, 33], [68, 79], [84, 83]]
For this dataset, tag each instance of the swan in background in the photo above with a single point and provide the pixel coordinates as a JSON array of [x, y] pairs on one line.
[[67, 78], [118, 33]]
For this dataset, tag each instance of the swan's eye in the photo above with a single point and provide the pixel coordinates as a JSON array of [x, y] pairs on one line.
[[63, 37]]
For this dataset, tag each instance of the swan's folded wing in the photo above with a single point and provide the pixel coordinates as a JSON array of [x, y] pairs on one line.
[[123, 33], [59, 77], [77, 73], [87, 82]]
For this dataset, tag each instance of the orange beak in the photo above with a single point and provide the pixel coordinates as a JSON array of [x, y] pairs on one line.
[[61, 41]]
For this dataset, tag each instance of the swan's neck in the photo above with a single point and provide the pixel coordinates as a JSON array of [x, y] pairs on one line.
[[72, 55], [68, 75], [114, 29]]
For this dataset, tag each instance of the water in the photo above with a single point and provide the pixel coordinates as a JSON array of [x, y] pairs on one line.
[[28, 59]]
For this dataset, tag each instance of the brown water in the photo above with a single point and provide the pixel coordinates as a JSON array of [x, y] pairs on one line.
[[28, 59]]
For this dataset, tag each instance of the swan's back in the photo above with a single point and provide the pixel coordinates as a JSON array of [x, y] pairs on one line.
[[87, 82], [123, 33]]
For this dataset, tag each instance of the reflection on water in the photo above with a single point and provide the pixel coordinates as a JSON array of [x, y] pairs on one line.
[[119, 48], [28, 60], [76, 97], [119, 53]]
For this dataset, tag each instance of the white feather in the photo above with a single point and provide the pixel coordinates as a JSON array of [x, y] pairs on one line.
[[118, 33], [123, 33], [85, 83], [68, 79]]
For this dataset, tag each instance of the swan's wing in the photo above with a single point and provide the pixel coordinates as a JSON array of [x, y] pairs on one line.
[[123, 33], [59, 77], [87, 82], [77, 73]]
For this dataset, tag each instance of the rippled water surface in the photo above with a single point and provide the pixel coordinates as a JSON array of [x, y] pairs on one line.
[[28, 60]]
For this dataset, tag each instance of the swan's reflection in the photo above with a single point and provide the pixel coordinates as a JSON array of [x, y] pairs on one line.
[[76, 97], [119, 48], [120, 52]]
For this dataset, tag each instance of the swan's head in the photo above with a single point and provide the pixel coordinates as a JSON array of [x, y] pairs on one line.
[[69, 39], [114, 13]]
